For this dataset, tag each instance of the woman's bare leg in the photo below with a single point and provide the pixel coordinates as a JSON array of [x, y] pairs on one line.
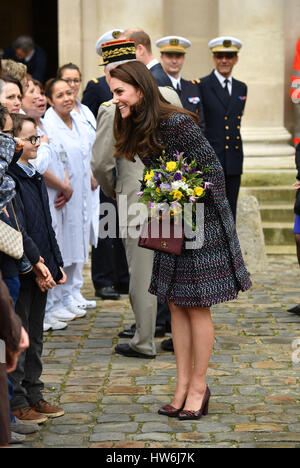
[[182, 342], [203, 340]]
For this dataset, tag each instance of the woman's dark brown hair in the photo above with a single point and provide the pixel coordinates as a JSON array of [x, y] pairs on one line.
[[139, 133]]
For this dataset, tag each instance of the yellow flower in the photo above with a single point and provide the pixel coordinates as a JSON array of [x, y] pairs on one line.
[[177, 195], [171, 166], [148, 176], [198, 191], [158, 190]]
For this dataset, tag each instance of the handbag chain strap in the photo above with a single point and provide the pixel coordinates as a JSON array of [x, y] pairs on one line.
[[13, 209]]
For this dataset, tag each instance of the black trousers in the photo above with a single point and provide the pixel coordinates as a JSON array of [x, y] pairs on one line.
[[233, 183], [25, 379], [109, 263]]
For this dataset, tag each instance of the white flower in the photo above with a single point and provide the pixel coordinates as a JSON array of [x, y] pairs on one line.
[[179, 184], [150, 184]]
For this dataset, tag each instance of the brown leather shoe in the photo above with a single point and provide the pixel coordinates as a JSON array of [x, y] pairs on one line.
[[45, 408], [28, 416]]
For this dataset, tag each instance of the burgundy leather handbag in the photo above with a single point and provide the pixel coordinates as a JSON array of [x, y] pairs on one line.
[[164, 237]]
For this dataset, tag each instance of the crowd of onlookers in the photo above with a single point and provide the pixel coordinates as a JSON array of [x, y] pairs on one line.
[[44, 131]]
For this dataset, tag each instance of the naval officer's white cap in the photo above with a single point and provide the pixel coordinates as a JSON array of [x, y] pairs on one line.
[[109, 36], [173, 44], [225, 44]]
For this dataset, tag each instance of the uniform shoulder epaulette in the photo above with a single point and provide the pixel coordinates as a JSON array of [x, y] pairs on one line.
[[107, 103], [195, 81], [95, 80]]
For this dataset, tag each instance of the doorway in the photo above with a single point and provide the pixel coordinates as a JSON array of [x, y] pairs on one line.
[[36, 19]]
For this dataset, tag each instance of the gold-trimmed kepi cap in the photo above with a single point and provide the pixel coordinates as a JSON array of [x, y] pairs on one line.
[[173, 44], [117, 51], [225, 44], [111, 35]]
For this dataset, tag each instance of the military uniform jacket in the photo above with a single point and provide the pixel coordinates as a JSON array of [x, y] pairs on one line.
[[223, 122], [160, 75], [191, 99], [96, 92]]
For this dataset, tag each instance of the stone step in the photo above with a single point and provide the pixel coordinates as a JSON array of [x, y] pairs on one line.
[[281, 249], [271, 212], [281, 194], [262, 178], [278, 233]]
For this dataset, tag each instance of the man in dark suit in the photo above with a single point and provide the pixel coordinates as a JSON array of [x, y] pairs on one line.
[[173, 50], [24, 50], [223, 100], [144, 54]]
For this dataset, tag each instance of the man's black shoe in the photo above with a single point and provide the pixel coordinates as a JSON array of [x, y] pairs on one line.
[[107, 293], [128, 332], [167, 345], [160, 331], [295, 310], [127, 351], [123, 288]]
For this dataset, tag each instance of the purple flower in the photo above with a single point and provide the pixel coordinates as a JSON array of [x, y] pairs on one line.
[[178, 155], [140, 194], [165, 187], [193, 199], [177, 176]]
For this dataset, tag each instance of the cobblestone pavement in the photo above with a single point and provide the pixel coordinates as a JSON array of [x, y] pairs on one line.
[[112, 401]]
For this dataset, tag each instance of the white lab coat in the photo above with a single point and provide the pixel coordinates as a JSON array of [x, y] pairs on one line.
[[90, 125], [71, 150]]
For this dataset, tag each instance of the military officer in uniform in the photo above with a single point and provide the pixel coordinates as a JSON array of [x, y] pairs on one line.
[[120, 178], [224, 99], [109, 264], [97, 90], [173, 50]]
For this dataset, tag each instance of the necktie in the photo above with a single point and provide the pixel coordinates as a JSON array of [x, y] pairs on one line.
[[226, 89], [178, 89]]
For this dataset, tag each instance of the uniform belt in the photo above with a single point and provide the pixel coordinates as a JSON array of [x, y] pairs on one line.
[[2, 352]]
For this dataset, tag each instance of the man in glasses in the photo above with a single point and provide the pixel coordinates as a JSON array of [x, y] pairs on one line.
[[223, 100]]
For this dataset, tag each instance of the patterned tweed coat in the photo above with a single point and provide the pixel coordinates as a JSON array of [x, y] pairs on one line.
[[216, 272]]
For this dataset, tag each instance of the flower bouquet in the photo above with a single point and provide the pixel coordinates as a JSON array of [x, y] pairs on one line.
[[171, 187]]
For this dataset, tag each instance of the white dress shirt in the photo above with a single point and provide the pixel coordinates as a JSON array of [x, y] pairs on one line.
[[222, 79]]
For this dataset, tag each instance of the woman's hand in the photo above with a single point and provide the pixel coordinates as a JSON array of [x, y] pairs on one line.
[[297, 185], [94, 183], [60, 201], [44, 139], [19, 145]]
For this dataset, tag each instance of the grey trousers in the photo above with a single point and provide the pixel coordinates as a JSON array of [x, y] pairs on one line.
[[144, 304], [26, 381]]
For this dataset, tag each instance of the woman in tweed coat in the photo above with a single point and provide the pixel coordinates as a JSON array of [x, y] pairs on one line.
[[192, 282]]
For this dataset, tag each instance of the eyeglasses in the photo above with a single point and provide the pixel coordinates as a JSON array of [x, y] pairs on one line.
[[76, 81], [9, 132], [33, 139], [227, 55]]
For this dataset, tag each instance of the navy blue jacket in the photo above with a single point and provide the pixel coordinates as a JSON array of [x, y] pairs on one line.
[[36, 66], [191, 99], [160, 75], [36, 217], [96, 92], [223, 122]]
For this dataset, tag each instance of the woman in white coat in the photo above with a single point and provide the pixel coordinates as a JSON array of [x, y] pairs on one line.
[[72, 75], [70, 144]]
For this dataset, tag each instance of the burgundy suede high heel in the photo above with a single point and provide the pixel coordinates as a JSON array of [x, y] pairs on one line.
[[170, 411], [203, 411]]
